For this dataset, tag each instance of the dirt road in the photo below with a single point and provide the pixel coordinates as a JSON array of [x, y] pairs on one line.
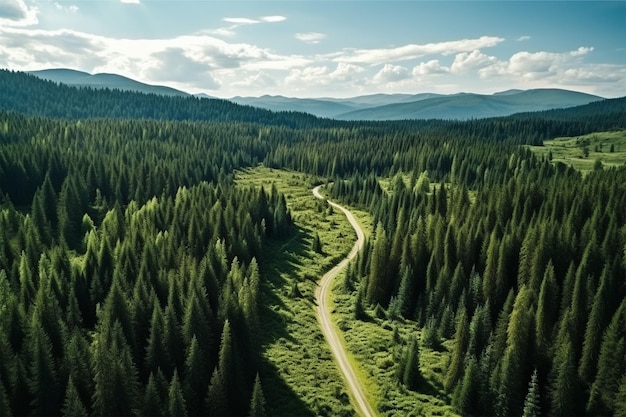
[[323, 316]]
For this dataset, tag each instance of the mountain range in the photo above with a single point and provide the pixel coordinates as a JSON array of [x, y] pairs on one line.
[[111, 81], [461, 106]]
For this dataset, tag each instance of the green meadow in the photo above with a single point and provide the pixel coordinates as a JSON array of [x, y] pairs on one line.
[[584, 152]]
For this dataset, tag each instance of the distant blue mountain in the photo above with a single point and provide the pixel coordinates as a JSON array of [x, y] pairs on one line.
[[459, 106], [112, 81], [474, 106]]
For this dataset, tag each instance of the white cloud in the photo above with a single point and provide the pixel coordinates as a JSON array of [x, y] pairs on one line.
[[346, 72], [197, 61], [130, 1], [467, 61], [273, 19], [17, 13], [523, 38], [412, 51], [240, 20], [391, 74], [564, 69], [432, 67], [344, 76], [254, 81], [310, 37], [583, 50]]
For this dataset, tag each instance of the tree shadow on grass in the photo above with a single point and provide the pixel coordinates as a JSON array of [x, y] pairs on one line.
[[280, 260]]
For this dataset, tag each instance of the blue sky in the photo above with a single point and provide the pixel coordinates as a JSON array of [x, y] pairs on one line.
[[325, 48]]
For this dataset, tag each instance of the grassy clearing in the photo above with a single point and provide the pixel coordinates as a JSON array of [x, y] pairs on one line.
[[582, 152], [374, 352], [299, 375]]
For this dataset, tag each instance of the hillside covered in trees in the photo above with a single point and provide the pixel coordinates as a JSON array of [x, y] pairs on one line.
[[129, 261]]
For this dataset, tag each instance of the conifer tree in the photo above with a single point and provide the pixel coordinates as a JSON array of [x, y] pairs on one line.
[[43, 381], [564, 387], [257, 402], [176, 401], [115, 374], [316, 246], [411, 370], [226, 366], [378, 282], [611, 366], [461, 340], [195, 382], [467, 395], [77, 361], [72, 405], [152, 404], [216, 400], [156, 350], [532, 406], [596, 324], [547, 310], [517, 354]]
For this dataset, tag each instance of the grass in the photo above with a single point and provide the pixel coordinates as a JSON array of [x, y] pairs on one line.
[[581, 152], [299, 375], [374, 352]]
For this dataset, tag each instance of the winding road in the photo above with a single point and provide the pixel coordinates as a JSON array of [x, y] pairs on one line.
[[323, 315]]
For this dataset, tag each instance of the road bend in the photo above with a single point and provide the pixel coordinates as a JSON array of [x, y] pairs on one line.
[[323, 315]]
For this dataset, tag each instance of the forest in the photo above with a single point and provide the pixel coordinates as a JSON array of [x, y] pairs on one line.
[[131, 264]]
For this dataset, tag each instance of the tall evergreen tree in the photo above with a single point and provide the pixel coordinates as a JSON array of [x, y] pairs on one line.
[[43, 380], [176, 401], [72, 405], [257, 402], [461, 341], [532, 406], [379, 281], [564, 393], [409, 366], [611, 366]]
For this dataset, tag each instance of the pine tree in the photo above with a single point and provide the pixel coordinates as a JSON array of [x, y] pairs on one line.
[[467, 395], [411, 373], [257, 402], [216, 400], [547, 309], [596, 324], [176, 401], [378, 282], [152, 403], [611, 366], [461, 340], [77, 361], [195, 383], [532, 402], [564, 392], [226, 366], [316, 246], [43, 381], [115, 374], [72, 405], [359, 309], [517, 354], [156, 351]]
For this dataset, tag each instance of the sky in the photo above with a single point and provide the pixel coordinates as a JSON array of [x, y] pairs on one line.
[[325, 48]]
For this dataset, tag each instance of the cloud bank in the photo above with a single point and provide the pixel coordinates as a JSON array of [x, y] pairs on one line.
[[211, 61]]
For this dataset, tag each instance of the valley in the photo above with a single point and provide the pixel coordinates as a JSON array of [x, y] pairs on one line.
[[172, 255]]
